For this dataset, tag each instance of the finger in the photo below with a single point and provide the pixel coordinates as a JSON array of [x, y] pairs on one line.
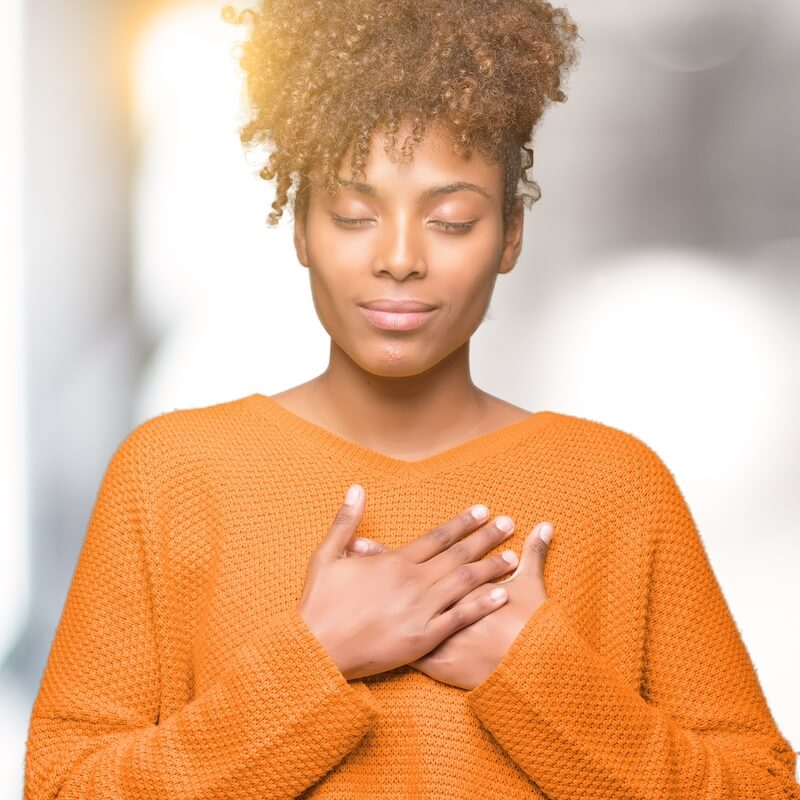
[[466, 612], [468, 577], [361, 546], [442, 536], [534, 551], [344, 524], [472, 547]]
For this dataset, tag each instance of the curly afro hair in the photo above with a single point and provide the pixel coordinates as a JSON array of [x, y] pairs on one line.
[[321, 76]]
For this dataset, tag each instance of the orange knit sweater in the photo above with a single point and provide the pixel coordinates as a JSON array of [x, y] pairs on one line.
[[181, 669]]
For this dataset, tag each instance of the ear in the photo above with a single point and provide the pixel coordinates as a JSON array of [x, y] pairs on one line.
[[513, 239]]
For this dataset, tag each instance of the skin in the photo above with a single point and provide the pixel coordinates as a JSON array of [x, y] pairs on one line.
[[409, 394], [424, 604]]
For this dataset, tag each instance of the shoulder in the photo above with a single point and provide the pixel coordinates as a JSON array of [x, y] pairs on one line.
[[610, 452], [619, 474], [186, 436]]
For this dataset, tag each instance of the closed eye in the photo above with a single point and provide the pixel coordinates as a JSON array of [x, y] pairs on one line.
[[455, 226], [450, 226], [349, 221]]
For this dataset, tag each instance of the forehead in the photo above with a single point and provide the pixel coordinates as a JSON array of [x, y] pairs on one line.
[[432, 167]]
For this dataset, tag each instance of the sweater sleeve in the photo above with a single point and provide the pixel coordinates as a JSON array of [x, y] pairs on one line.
[[699, 727], [277, 719]]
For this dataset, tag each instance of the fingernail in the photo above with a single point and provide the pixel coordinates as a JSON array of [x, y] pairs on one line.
[[361, 546], [546, 532], [497, 594], [505, 524], [353, 493], [479, 511], [509, 555]]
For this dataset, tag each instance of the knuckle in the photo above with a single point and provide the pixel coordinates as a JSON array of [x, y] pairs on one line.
[[460, 551], [537, 546], [466, 573], [441, 535], [342, 516], [457, 613]]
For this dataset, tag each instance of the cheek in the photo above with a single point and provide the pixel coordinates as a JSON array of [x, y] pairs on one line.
[[466, 275], [334, 288], [328, 265], [334, 265], [328, 289], [473, 254]]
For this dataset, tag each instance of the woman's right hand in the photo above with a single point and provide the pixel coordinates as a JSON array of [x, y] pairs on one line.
[[380, 612]]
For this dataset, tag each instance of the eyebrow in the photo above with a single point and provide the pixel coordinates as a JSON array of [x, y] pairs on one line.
[[433, 191]]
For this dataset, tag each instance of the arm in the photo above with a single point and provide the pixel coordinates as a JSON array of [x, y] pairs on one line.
[[276, 721], [700, 729]]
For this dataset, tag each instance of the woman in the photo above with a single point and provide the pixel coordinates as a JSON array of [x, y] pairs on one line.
[[224, 636]]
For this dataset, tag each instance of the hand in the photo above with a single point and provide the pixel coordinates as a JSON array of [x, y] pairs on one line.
[[375, 614], [470, 654]]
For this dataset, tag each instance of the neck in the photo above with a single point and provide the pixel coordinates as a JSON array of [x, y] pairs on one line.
[[411, 414]]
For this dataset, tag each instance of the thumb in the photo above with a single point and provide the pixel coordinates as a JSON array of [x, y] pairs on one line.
[[534, 551], [344, 524]]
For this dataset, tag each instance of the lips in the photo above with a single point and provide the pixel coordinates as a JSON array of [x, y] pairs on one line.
[[396, 320], [397, 306]]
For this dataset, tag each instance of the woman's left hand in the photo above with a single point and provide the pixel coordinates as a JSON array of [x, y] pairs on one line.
[[467, 657]]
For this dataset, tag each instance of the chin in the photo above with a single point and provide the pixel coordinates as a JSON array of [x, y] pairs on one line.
[[391, 360], [392, 354]]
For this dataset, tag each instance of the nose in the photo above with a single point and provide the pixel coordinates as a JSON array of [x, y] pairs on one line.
[[400, 249]]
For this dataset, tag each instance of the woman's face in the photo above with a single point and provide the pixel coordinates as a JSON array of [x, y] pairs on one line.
[[407, 233]]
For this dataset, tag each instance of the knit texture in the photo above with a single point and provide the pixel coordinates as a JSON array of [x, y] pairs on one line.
[[181, 668]]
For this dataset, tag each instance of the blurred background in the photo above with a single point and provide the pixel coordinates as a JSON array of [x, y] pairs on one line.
[[658, 289]]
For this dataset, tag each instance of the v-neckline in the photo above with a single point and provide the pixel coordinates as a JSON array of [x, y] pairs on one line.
[[481, 446]]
